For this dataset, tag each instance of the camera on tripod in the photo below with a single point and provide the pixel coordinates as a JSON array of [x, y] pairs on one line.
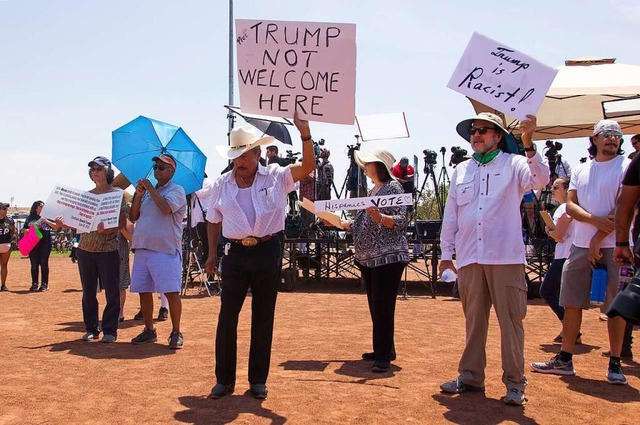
[[552, 150], [353, 148], [430, 157], [316, 147], [291, 158], [458, 155]]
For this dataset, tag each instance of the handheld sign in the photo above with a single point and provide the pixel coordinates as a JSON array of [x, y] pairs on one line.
[[331, 217], [399, 200], [309, 67], [501, 77], [83, 210]]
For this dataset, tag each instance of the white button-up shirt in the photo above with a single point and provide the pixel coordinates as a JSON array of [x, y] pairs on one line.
[[482, 220], [268, 194], [199, 202]]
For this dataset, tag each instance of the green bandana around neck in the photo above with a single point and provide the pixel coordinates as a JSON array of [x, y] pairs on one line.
[[486, 157]]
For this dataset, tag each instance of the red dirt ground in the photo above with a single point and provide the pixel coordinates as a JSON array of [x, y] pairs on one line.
[[50, 376]]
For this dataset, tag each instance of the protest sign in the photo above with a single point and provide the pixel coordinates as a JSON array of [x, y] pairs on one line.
[[308, 67], [83, 210], [501, 77], [331, 217], [403, 199], [382, 126]]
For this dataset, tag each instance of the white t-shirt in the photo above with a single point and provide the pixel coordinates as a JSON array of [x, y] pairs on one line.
[[562, 248], [597, 185]]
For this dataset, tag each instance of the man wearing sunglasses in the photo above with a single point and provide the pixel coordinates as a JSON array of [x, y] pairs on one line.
[[483, 225], [591, 201], [157, 242]]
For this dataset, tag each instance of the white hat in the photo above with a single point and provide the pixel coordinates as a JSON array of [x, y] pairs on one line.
[[241, 140], [376, 155]]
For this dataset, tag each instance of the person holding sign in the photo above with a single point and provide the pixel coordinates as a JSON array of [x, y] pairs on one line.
[[381, 253], [483, 225], [249, 203], [98, 259], [39, 255], [157, 212]]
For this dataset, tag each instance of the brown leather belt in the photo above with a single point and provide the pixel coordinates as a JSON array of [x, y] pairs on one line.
[[251, 240]]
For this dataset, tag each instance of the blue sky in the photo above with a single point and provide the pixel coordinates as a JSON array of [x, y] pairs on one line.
[[72, 71]]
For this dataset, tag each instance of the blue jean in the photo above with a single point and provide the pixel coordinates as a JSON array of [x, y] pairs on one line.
[[550, 288]]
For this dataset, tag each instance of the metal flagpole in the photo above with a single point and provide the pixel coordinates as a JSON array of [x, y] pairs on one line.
[[231, 76]]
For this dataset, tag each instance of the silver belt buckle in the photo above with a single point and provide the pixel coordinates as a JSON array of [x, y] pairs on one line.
[[249, 241]]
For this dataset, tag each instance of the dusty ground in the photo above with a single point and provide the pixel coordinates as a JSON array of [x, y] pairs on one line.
[[50, 376]]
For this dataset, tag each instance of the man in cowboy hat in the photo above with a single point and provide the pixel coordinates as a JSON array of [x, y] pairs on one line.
[[482, 224], [157, 240], [248, 203]]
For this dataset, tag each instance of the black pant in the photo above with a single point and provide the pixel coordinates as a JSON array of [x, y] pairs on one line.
[[257, 268], [382, 285], [106, 267], [39, 258]]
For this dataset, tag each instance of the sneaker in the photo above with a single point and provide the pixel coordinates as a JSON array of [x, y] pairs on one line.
[[147, 336], [615, 375], [138, 315], [515, 397], [163, 314], [457, 387], [107, 338], [43, 287], [554, 366], [90, 336], [3, 288], [34, 287], [176, 341], [603, 317]]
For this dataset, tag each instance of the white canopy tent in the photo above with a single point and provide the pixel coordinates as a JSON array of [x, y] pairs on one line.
[[574, 102]]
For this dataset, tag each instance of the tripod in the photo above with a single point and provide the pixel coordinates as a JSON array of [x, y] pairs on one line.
[[438, 186], [192, 267]]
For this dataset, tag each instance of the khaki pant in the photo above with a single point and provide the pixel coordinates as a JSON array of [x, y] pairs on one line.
[[504, 287]]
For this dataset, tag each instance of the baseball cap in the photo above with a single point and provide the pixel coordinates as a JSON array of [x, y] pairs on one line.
[[166, 158], [101, 161]]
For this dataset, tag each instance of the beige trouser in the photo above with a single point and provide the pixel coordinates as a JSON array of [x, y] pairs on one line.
[[505, 287]]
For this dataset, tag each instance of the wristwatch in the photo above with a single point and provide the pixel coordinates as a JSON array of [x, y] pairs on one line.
[[533, 148]]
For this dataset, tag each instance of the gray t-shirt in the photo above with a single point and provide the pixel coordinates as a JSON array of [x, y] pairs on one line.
[[155, 230]]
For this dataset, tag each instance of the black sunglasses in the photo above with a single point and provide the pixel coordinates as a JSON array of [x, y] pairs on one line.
[[161, 167], [481, 130]]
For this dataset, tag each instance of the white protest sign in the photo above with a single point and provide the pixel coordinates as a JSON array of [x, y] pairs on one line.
[[83, 210], [399, 200], [331, 217], [502, 77], [305, 66], [382, 126]]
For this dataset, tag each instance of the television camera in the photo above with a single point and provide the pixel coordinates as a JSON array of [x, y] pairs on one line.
[[458, 155]]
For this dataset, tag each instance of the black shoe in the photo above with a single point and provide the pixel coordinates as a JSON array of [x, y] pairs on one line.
[[43, 287], [121, 319], [3, 288], [138, 316], [380, 366], [372, 356], [34, 287], [147, 336], [221, 390], [259, 391], [163, 314]]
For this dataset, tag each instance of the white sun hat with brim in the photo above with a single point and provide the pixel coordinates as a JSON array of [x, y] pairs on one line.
[[241, 140], [376, 155]]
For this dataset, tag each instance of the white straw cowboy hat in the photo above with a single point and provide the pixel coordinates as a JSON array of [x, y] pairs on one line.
[[376, 155], [241, 140]]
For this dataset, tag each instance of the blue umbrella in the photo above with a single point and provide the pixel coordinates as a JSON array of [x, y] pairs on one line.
[[135, 143]]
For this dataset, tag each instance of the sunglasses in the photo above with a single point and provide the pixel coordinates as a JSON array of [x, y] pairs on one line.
[[96, 169], [481, 130], [611, 134], [161, 167]]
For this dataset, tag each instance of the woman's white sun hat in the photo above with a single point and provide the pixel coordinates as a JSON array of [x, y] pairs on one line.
[[376, 155]]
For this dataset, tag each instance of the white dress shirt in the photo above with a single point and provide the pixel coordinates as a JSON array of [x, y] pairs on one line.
[[482, 220], [269, 195], [199, 202]]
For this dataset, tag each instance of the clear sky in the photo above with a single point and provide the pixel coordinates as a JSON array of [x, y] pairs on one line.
[[72, 71]]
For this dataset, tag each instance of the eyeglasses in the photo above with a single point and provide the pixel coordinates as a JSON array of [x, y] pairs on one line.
[[481, 130], [161, 167], [96, 169], [611, 134]]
